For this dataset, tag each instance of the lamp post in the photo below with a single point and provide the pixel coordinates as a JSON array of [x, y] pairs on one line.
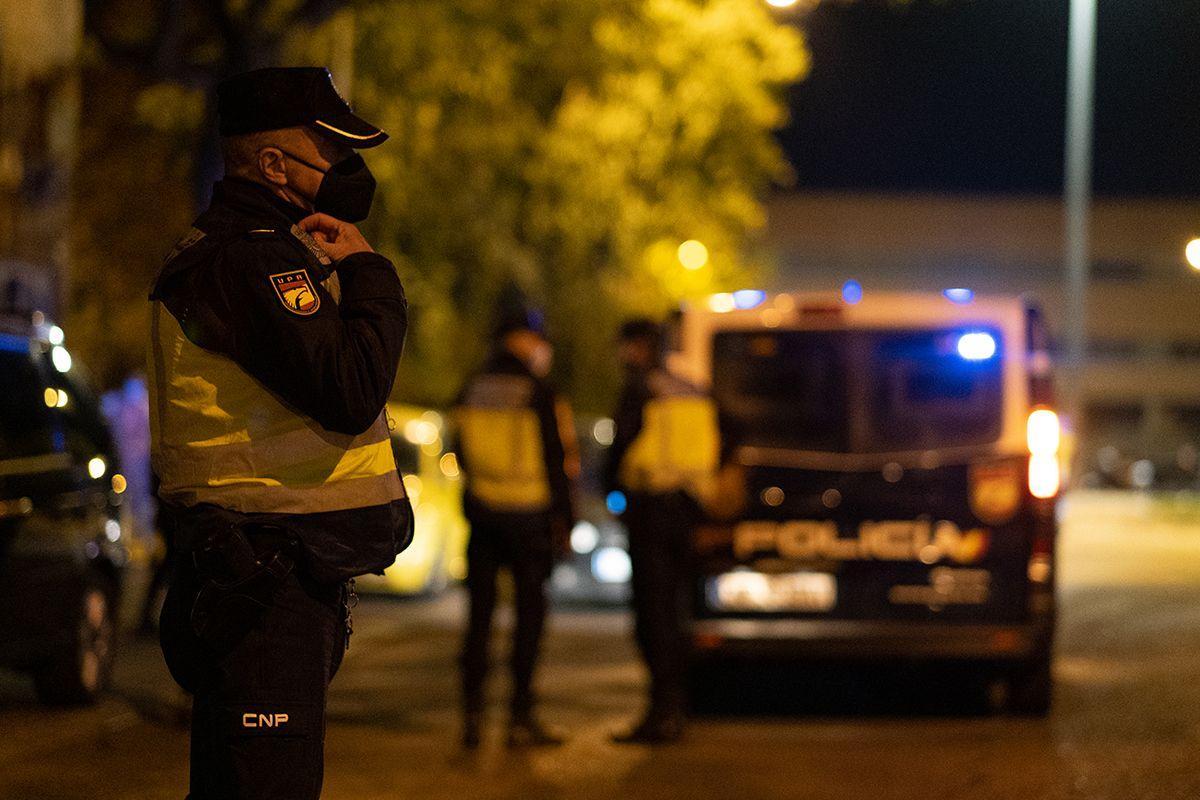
[[1077, 192]]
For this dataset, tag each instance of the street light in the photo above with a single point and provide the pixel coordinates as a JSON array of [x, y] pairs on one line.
[[1192, 252], [692, 254]]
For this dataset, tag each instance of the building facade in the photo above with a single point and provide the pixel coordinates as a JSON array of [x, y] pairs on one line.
[[39, 106]]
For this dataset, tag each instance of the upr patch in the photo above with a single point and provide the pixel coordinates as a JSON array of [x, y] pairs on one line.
[[296, 291]]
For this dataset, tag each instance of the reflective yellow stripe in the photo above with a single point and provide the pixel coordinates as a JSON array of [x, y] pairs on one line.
[[341, 132], [251, 498]]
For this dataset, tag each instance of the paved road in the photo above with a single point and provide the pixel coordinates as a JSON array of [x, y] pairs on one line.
[[1126, 724]]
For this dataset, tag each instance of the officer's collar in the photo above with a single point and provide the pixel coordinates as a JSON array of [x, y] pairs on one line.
[[254, 199], [503, 358]]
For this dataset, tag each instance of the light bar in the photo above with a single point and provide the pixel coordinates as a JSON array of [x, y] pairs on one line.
[[722, 303], [852, 293], [977, 346], [748, 298]]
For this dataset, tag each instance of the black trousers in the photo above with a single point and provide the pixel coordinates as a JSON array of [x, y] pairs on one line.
[[258, 683], [660, 526], [523, 544]]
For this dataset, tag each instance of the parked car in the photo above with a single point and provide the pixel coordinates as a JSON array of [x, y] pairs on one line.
[[437, 555], [61, 548]]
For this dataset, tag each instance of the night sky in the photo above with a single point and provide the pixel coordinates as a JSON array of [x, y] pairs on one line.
[[968, 96]]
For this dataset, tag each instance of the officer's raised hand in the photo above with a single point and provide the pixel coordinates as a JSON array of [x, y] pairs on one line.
[[337, 238]]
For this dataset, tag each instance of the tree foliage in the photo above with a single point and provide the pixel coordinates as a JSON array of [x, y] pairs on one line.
[[566, 145], [570, 146]]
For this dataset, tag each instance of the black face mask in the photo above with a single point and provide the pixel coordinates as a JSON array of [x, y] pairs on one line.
[[346, 190]]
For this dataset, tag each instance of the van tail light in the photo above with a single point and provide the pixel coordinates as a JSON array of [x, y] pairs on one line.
[[1043, 434], [708, 540]]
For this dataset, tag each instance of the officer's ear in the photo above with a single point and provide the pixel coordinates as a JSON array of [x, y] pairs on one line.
[[272, 165]]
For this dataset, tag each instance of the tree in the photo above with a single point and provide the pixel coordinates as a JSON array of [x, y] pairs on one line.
[[569, 145]]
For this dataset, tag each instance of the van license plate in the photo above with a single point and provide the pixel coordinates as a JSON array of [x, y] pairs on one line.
[[745, 590]]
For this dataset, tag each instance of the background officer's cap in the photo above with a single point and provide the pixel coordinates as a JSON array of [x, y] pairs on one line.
[[514, 312], [640, 328], [288, 97]]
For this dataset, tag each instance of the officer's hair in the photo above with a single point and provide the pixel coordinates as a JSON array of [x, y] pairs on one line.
[[241, 151]]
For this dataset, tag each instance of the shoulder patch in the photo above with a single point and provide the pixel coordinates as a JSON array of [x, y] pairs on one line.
[[189, 239], [296, 291], [311, 244]]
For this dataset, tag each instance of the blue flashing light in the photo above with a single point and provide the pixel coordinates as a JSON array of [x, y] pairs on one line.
[[616, 502], [977, 346], [959, 296], [852, 292], [14, 344], [748, 298]]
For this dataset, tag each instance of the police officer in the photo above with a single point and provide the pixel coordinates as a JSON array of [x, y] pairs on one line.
[[663, 459], [516, 445], [275, 336]]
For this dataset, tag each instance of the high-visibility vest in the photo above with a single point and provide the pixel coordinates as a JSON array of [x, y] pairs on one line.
[[678, 446], [219, 436], [500, 436]]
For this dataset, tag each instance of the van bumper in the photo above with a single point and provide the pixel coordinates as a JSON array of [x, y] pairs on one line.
[[868, 640]]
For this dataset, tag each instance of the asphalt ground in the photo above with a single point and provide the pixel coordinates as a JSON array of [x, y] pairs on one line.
[[1125, 725]]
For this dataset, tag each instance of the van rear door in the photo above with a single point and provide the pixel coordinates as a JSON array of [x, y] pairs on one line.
[[876, 489]]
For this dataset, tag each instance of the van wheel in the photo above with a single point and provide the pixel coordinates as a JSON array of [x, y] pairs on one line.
[[1031, 687], [80, 672], [708, 687]]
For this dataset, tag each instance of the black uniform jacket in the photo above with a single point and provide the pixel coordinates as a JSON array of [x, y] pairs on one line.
[[543, 401], [627, 424], [335, 365]]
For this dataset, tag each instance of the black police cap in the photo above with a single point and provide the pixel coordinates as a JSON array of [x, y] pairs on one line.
[[520, 319], [514, 312], [287, 97], [640, 328]]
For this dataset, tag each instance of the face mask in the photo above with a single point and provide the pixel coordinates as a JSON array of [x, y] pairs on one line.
[[346, 190], [540, 360]]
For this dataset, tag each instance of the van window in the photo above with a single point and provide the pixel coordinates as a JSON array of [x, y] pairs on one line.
[[858, 391]]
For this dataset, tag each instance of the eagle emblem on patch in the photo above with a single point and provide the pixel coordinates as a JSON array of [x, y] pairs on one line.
[[296, 291]]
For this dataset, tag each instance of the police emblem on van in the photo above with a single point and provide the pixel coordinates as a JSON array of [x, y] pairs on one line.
[[296, 292], [996, 491]]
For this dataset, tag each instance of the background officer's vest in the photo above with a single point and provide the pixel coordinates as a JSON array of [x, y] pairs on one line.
[[221, 437], [678, 447], [501, 440]]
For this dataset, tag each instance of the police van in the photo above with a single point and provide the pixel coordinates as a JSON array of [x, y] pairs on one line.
[[894, 474]]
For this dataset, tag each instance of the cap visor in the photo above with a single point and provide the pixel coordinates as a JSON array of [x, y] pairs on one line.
[[351, 131]]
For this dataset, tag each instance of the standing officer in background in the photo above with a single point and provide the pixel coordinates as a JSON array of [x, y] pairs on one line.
[[517, 451], [663, 457], [275, 336]]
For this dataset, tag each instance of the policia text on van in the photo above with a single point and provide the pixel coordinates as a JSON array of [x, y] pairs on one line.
[[272, 355]]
